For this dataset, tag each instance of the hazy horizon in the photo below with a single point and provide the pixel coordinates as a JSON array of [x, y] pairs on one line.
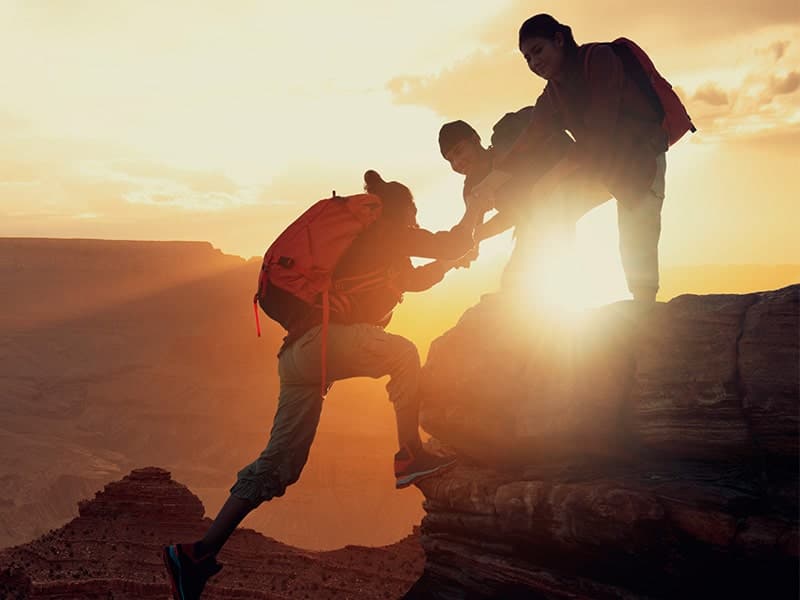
[[260, 256], [230, 122]]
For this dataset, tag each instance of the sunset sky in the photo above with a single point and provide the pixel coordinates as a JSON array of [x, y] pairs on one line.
[[222, 121]]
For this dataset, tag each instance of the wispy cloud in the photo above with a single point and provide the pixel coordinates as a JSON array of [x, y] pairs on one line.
[[161, 186], [712, 94], [764, 101]]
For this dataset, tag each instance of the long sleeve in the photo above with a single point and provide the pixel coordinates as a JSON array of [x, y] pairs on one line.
[[450, 245], [545, 123], [419, 279]]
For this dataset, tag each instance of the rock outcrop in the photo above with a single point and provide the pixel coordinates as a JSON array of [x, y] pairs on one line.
[[112, 549], [635, 454]]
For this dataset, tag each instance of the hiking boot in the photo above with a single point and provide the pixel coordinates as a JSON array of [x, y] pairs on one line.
[[414, 466], [187, 574]]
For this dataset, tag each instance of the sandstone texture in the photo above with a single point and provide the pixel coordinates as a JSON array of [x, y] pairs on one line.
[[631, 454], [112, 550]]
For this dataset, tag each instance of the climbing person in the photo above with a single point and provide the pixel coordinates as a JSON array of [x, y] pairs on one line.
[[335, 335]]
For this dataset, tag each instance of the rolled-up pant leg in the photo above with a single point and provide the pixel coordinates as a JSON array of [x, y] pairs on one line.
[[293, 429]]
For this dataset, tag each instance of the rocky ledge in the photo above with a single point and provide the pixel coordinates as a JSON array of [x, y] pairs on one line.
[[637, 453]]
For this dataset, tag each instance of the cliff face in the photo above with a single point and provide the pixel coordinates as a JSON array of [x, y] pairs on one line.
[[633, 454], [112, 549]]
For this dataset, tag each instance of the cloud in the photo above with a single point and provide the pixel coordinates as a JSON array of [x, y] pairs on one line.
[[778, 49], [53, 187], [710, 93], [784, 85], [198, 181], [762, 104], [485, 85]]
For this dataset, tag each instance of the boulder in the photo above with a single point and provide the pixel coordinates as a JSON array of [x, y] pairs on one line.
[[635, 452]]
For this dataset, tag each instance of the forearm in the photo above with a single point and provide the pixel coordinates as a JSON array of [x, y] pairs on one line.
[[425, 277], [499, 223], [450, 244]]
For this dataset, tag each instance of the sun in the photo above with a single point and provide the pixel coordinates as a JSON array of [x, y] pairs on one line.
[[566, 277]]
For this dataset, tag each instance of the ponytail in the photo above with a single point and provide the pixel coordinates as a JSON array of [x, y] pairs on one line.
[[398, 202]]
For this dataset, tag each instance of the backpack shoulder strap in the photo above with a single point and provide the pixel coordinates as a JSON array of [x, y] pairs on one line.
[[635, 70], [586, 55]]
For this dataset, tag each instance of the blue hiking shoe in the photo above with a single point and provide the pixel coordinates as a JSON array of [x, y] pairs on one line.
[[414, 466], [187, 574]]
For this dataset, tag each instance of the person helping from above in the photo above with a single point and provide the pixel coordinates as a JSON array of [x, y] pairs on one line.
[[355, 253], [623, 116]]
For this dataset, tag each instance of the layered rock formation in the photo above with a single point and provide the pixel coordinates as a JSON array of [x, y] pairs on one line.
[[112, 549], [635, 454]]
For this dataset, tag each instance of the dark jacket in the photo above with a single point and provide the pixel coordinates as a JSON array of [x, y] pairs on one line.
[[526, 166], [617, 130], [385, 249]]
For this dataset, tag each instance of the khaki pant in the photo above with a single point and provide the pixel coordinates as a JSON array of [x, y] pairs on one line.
[[359, 350], [550, 228]]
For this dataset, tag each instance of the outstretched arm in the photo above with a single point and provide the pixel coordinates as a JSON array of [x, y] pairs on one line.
[[502, 221], [419, 279], [448, 245]]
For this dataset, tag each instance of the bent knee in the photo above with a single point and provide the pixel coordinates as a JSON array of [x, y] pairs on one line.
[[407, 353]]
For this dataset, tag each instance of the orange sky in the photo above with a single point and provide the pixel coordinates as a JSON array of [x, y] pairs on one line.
[[197, 120]]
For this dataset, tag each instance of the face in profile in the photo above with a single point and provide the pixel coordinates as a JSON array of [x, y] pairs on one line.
[[464, 156], [544, 57]]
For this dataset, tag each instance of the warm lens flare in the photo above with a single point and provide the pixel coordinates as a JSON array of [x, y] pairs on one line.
[[563, 278], [554, 286]]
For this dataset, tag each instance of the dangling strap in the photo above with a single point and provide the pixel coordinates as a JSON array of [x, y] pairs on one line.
[[261, 274], [326, 314], [255, 311]]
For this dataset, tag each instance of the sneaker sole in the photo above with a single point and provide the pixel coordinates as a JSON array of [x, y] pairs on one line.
[[407, 480], [172, 563]]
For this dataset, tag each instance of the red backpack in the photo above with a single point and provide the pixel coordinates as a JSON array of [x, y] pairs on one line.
[[675, 121], [298, 266]]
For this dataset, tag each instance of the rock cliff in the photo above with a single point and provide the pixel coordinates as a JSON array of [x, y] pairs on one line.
[[112, 549], [634, 454]]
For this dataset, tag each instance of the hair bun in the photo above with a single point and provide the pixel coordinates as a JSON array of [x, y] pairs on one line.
[[373, 179]]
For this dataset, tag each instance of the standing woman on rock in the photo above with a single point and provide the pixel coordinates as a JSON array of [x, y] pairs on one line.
[[357, 346], [596, 93]]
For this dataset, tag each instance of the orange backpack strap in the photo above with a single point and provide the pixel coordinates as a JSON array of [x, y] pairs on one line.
[[255, 310]]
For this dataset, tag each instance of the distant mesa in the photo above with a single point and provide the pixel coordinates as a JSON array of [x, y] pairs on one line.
[[147, 494], [112, 549]]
